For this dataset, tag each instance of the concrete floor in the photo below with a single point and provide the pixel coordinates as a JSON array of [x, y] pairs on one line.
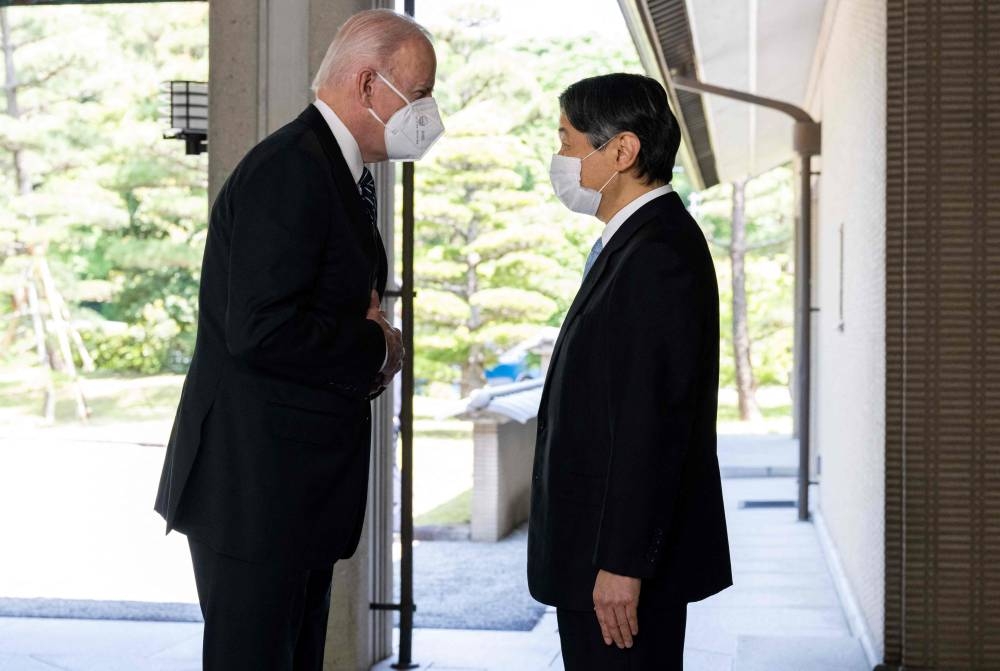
[[92, 489], [782, 614]]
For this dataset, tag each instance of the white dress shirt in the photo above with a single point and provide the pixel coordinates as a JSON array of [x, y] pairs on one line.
[[348, 145], [352, 154], [622, 215]]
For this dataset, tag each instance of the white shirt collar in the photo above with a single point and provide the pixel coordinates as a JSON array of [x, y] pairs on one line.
[[622, 215], [348, 145]]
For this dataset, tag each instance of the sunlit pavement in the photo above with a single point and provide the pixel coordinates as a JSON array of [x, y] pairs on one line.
[[80, 506], [782, 614], [78, 523], [76, 505]]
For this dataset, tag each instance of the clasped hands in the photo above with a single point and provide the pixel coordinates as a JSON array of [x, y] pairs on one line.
[[393, 343], [616, 602]]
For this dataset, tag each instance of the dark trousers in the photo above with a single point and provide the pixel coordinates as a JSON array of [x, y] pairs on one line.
[[658, 647], [258, 617]]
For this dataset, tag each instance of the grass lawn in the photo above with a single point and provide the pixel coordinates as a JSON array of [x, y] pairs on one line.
[[115, 398], [775, 405], [112, 399], [452, 512]]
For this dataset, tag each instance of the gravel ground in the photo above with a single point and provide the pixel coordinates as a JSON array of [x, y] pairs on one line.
[[88, 609], [493, 579]]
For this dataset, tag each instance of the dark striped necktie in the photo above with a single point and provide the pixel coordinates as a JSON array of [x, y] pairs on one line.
[[367, 185]]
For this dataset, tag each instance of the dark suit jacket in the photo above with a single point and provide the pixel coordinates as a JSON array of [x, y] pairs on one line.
[[268, 457], [626, 476]]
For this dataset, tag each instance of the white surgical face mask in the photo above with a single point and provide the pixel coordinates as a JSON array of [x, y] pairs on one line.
[[414, 127], [565, 172]]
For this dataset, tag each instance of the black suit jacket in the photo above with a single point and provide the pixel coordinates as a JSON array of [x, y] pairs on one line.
[[268, 457], [626, 476]]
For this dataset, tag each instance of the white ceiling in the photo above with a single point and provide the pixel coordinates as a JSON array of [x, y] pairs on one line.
[[749, 140]]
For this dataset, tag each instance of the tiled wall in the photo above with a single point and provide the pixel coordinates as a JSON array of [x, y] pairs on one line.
[[849, 347], [943, 335]]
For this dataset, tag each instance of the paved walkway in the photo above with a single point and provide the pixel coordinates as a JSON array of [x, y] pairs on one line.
[[782, 614], [92, 489]]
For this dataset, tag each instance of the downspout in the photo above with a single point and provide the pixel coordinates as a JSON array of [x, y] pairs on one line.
[[807, 140]]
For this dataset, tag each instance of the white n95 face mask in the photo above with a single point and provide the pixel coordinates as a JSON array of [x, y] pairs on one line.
[[414, 127], [565, 172]]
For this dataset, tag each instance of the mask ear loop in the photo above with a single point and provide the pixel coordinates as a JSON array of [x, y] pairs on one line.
[[601, 190], [596, 150], [394, 90]]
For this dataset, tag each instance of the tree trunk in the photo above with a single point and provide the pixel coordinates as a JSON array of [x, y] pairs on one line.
[[24, 187], [472, 368], [745, 384], [10, 87]]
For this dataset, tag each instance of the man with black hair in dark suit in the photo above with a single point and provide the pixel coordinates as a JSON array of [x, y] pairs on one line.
[[627, 520]]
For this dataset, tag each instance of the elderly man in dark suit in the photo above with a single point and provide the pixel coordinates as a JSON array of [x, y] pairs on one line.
[[627, 521], [266, 470]]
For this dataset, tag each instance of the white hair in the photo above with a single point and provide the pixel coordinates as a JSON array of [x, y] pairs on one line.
[[369, 38]]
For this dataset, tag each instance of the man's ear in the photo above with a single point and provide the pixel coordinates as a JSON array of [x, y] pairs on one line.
[[365, 83], [627, 148]]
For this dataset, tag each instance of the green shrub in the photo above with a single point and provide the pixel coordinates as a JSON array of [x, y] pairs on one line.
[[156, 344]]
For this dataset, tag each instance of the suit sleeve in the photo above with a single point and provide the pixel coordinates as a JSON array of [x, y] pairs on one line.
[[281, 226], [656, 328]]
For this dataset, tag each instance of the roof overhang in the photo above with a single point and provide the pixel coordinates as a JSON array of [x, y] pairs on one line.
[[665, 41], [765, 48], [500, 404]]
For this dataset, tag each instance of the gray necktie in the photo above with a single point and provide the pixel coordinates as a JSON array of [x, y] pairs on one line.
[[595, 251]]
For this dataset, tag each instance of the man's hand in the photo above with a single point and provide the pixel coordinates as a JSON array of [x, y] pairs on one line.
[[616, 602], [393, 341]]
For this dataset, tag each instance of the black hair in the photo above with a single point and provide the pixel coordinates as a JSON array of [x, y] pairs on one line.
[[603, 106]]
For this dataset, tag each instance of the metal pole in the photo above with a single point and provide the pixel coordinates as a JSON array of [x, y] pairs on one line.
[[689, 84], [406, 605], [405, 659], [804, 284], [807, 143]]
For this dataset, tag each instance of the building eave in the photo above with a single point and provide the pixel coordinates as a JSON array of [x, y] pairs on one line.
[[650, 30]]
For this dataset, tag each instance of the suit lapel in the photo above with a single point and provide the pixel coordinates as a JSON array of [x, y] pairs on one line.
[[632, 225], [350, 196]]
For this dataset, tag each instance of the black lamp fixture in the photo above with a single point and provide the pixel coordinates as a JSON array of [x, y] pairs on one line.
[[185, 112]]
